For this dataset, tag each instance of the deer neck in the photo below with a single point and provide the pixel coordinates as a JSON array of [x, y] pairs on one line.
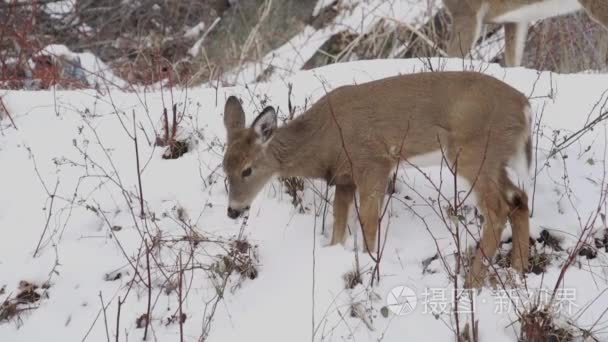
[[293, 148]]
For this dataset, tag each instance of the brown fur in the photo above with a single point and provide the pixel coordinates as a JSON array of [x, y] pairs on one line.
[[468, 15], [356, 135]]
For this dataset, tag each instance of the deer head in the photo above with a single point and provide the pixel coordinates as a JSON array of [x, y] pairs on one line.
[[247, 163]]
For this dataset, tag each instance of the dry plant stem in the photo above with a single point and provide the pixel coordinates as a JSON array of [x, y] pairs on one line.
[[380, 247], [180, 294], [314, 261], [86, 335], [538, 130], [141, 195], [166, 122], [457, 238], [117, 180], [581, 242], [587, 228], [149, 285], [118, 319], [8, 114], [572, 138], [48, 218], [105, 317], [604, 170], [124, 252], [207, 319], [174, 125]]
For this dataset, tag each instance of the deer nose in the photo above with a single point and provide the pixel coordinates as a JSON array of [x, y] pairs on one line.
[[233, 213]]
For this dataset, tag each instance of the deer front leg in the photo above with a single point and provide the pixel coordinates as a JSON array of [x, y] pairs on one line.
[[343, 198], [495, 212], [597, 10], [515, 42], [519, 216]]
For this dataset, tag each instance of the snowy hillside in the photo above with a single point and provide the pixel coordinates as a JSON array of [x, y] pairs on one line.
[[78, 261]]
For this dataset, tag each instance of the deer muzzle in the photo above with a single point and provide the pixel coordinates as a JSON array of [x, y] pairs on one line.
[[235, 213]]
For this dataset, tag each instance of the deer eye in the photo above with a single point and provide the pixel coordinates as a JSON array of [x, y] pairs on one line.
[[246, 172]]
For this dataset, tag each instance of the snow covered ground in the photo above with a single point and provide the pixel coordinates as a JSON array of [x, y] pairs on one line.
[[69, 184]]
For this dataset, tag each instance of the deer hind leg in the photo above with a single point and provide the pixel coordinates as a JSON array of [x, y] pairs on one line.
[[515, 42], [371, 194], [597, 10], [466, 27], [343, 198], [519, 214]]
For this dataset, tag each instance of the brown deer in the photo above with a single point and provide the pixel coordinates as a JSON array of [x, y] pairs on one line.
[[355, 136], [515, 15]]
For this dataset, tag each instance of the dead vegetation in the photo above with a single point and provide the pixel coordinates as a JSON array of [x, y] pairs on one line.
[[192, 42], [242, 258], [294, 187], [538, 325], [543, 252], [352, 279], [27, 298], [175, 147]]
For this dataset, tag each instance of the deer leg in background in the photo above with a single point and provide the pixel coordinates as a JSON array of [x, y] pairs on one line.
[[515, 42], [343, 198], [464, 33]]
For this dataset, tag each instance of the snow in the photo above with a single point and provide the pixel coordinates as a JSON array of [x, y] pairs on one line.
[[194, 31], [59, 9], [78, 142], [86, 65]]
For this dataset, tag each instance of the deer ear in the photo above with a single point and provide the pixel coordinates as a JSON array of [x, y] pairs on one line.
[[265, 124], [234, 117]]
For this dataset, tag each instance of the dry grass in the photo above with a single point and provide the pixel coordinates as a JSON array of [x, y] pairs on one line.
[[538, 325], [294, 187], [27, 298], [242, 258], [145, 44], [567, 44]]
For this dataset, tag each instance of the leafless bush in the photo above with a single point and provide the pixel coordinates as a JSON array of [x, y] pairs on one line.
[[567, 44], [538, 325]]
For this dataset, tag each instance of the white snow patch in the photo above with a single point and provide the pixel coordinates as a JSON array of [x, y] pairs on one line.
[[194, 31], [92, 233], [96, 72]]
